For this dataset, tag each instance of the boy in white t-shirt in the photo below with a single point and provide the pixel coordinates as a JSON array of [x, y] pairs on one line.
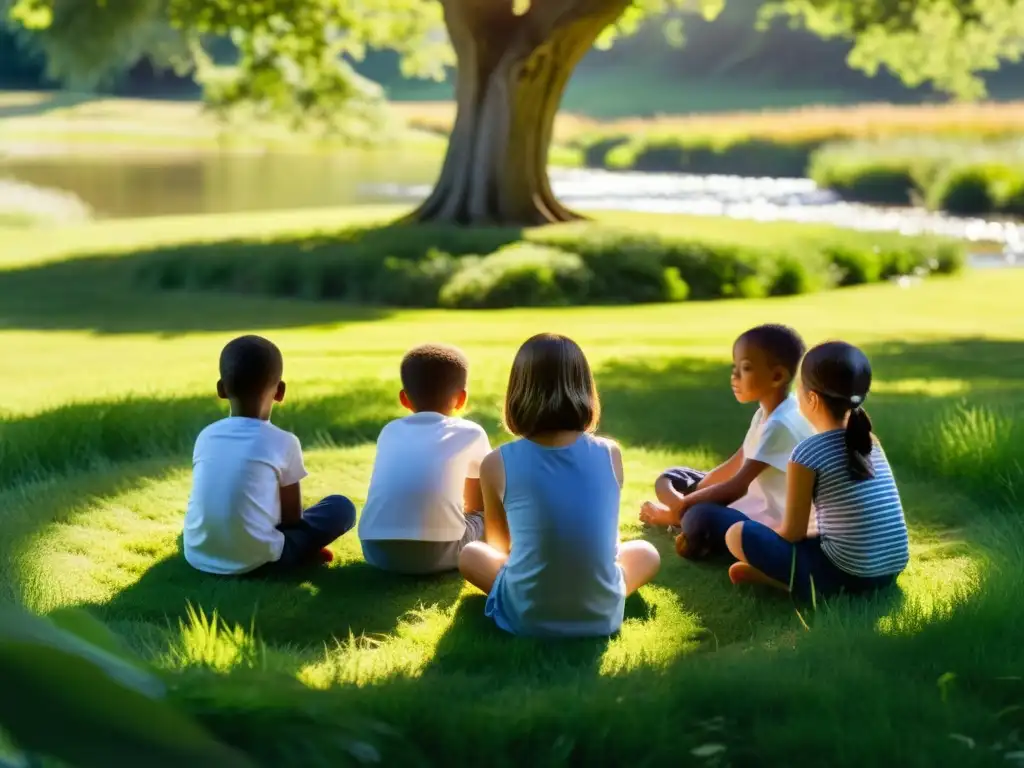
[[752, 484], [424, 504], [245, 509]]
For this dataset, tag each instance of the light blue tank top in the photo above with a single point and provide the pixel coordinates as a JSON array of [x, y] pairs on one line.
[[561, 578]]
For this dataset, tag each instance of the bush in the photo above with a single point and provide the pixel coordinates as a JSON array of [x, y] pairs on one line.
[[522, 275], [964, 178], [964, 191], [700, 155], [575, 264]]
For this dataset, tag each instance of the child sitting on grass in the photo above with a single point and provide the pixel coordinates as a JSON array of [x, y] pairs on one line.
[[424, 503], [843, 471], [245, 509], [752, 484], [552, 564]]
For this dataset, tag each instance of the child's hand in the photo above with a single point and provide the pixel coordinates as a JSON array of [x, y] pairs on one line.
[[656, 513]]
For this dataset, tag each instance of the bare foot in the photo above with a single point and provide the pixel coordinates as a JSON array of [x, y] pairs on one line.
[[655, 513], [745, 573]]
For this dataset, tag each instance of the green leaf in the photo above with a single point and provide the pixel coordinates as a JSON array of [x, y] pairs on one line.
[[86, 627], [105, 709]]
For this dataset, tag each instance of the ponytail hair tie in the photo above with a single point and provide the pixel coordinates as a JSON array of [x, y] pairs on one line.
[[857, 400]]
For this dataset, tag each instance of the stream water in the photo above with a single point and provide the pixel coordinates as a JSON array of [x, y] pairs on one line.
[[126, 186]]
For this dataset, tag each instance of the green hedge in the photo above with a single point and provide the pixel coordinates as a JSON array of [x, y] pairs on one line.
[[575, 264], [699, 154], [963, 178]]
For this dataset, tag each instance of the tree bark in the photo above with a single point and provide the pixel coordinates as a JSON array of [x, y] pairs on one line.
[[512, 72]]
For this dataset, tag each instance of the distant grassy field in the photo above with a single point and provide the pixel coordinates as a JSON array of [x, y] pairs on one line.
[[109, 384], [44, 117]]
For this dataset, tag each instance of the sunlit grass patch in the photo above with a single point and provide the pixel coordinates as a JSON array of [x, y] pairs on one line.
[[107, 395]]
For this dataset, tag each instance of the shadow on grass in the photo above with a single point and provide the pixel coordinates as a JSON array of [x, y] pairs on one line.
[[90, 436], [473, 645], [86, 436], [295, 280], [304, 609]]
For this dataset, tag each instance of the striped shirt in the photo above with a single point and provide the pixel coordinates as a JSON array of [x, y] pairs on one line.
[[861, 522]]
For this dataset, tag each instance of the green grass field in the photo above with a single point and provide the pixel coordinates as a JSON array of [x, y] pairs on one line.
[[106, 388]]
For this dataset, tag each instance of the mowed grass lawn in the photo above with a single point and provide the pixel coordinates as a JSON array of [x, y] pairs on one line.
[[105, 389]]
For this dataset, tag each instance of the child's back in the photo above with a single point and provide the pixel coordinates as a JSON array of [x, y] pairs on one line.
[[424, 501], [419, 474], [860, 521], [563, 517], [234, 510], [245, 510]]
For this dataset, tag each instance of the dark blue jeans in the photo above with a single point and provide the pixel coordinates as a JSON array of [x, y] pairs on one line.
[[321, 524], [703, 526]]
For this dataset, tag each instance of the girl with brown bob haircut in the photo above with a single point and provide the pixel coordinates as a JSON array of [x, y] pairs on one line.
[[552, 564]]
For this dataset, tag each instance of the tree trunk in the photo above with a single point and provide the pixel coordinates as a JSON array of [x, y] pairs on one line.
[[512, 72]]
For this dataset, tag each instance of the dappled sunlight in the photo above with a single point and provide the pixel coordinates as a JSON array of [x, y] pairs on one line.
[[405, 652], [94, 480], [662, 632]]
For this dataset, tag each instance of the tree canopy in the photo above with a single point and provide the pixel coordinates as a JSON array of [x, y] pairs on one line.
[[294, 56]]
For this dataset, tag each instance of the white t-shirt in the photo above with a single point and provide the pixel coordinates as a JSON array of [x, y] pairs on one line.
[[772, 441], [419, 475], [239, 466]]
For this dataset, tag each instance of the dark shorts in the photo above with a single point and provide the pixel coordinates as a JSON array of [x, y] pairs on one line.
[[420, 558], [803, 566]]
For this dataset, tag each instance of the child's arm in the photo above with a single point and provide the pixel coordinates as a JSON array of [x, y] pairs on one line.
[[292, 472], [472, 496], [728, 492], [492, 484], [291, 505], [799, 495], [724, 493], [723, 472]]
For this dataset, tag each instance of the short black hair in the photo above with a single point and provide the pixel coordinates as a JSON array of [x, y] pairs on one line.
[[433, 374], [780, 343], [249, 365]]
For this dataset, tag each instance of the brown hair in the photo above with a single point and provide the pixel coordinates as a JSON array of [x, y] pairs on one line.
[[433, 374], [551, 388]]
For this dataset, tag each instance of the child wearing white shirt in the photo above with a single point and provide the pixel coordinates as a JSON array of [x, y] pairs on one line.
[[245, 510], [752, 484], [424, 504]]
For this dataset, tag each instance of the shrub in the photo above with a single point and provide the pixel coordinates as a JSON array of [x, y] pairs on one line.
[[700, 155], [961, 177], [583, 263], [883, 180], [854, 266], [522, 275], [965, 191], [627, 267]]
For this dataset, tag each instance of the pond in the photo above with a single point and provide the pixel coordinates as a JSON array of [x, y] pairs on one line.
[[121, 185]]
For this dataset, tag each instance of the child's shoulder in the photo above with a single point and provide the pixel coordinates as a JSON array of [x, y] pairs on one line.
[[463, 424]]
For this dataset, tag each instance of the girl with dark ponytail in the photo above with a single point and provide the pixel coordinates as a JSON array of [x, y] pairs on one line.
[[843, 473]]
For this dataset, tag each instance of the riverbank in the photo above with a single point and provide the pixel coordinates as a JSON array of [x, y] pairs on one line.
[[957, 159]]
